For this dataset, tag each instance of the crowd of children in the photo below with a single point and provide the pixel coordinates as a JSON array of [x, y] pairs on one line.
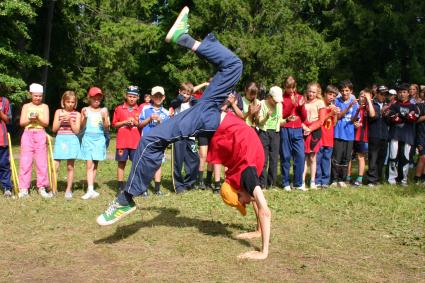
[[325, 133]]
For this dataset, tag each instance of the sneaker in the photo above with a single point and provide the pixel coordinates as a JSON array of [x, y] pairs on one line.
[[23, 193], [287, 188], [115, 212], [371, 185], [216, 190], [313, 186], [342, 184], [404, 184], [325, 186], [158, 193], [180, 26], [42, 192], [90, 195], [200, 186], [357, 183], [7, 193], [68, 195], [181, 191], [334, 184], [145, 194], [392, 183], [302, 188]]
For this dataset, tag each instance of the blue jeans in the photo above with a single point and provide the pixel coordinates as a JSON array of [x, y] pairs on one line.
[[323, 170], [292, 146], [202, 117], [5, 168]]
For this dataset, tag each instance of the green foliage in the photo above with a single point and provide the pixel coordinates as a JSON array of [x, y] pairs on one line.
[[16, 60]]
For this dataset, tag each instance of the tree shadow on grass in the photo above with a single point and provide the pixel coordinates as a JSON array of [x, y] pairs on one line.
[[169, 217], [166, 186]]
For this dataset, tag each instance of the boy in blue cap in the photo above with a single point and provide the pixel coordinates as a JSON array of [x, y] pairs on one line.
[[202, 118]]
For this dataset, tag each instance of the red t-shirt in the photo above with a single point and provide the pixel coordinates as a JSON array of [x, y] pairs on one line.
[[127, 137], [236, 146], [328, 130], [290, 108]]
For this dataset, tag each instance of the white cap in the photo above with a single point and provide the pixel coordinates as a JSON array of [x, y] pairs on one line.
[[36, 88], [392, 91], [276, 92], [158, 89]]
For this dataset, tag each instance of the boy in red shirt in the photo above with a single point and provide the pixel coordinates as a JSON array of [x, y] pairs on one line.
[[232, 146], [126, 121], [324, 156]]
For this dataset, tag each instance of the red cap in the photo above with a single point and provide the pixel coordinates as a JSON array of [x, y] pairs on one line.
[[94, 91]]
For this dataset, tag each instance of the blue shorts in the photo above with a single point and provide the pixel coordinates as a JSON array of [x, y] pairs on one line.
[[124, 154], [360, 147]]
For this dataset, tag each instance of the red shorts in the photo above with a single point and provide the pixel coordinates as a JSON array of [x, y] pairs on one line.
[[313, 141]]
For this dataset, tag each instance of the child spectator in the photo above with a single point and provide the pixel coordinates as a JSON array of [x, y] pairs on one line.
[[66, 124], [324, 156], [126, 121], [414, 94], [344, 133], [5, 118], [146, 100], [291, 135], [95, 121], [402, 115], [34, 118], [269, 120], [420, 143], [185, 152], [251, 105], [312, 126], [151, 116], [377, 137], [361, 124]]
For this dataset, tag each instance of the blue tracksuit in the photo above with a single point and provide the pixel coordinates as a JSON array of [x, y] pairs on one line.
[[201, 118]]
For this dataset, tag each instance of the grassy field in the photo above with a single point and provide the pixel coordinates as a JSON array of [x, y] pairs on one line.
[[337, 235]]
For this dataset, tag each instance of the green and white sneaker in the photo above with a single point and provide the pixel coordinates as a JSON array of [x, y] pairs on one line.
[[114, 213], [180, 26]]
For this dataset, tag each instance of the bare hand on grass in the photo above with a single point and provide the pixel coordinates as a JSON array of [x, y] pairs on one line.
[[253, 255]]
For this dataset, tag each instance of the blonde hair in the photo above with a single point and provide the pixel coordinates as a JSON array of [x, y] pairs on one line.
[[318, 88], [187, 86], [67, 95], [290, 82]]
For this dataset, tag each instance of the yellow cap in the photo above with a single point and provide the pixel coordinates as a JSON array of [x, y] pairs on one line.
[[230, 197]]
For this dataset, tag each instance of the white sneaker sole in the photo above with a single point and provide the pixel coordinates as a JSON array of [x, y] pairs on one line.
[[102, 222], [170, 33]]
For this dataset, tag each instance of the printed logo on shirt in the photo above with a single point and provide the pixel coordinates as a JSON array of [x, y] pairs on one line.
[[120, 152]]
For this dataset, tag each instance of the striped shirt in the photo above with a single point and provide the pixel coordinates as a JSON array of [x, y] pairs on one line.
[[6, 109], [65, 127]]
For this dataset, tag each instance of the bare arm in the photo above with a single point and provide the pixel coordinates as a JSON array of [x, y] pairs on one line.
[[198, 87], [264, 219], [24, 121], [56, 122], [76, 125]]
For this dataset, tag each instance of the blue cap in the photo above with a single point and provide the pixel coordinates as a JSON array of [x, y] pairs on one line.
[[134, 90]]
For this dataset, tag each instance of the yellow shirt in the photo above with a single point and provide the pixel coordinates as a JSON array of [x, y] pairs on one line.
[[31, 111]]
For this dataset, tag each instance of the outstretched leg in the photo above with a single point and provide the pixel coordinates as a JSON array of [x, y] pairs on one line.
[[203, 117]]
